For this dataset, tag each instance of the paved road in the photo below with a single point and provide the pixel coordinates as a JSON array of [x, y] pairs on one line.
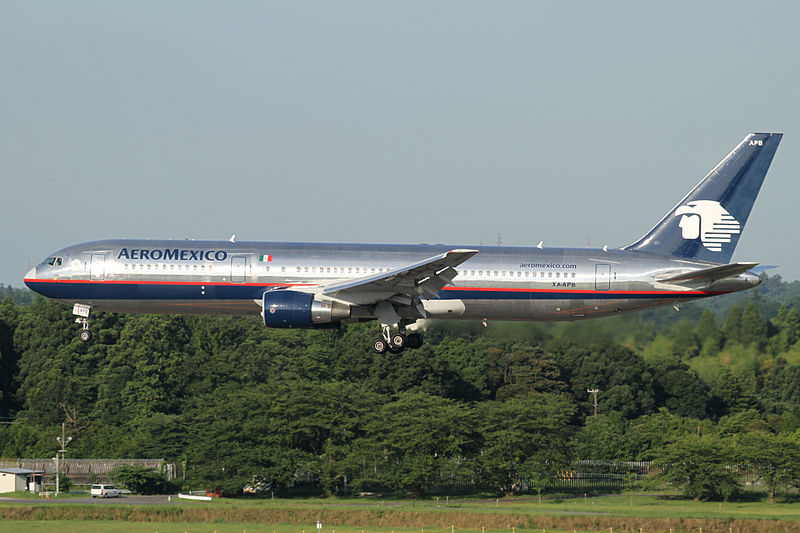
[[125, 499]]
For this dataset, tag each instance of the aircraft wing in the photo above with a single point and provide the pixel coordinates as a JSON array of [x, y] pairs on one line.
[[424, 278], [707, 275]]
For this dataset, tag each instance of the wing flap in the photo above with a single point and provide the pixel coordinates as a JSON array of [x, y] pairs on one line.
[[424, 278]]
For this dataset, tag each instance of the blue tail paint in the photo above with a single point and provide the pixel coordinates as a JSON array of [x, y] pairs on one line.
[[707, 223]]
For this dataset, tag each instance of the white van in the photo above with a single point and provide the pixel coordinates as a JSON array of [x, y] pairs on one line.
[[105, 491]]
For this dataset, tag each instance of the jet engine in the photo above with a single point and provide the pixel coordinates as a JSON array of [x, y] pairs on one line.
[[292, 309]]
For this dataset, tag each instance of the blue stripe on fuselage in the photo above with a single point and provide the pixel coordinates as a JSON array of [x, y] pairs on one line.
[[106, 290]]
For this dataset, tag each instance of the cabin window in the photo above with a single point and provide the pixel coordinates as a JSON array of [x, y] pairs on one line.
[[573, 275], [549, 274], [283, 269]]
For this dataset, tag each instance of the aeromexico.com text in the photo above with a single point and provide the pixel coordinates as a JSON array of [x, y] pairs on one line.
[[560, 266], [172, 254]]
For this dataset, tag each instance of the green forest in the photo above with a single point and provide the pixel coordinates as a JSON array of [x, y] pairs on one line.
[[501, 408]]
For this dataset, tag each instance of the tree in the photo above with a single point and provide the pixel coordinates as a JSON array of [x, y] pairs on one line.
[[708, 334], [603, 437], [697, 465], [754, 327], [775, 459], [733, 324], [679, 389], [140, 479], [685, 343], [524, 437], [415, 439], [523, 369], [649, 433], [621, 374]]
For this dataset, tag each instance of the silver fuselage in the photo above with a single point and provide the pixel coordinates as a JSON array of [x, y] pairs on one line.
[[498, 283]]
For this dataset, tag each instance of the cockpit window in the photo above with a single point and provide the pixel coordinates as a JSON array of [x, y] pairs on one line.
[[52, 261]]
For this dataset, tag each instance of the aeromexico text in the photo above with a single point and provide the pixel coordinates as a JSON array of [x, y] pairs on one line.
[[174, 254]]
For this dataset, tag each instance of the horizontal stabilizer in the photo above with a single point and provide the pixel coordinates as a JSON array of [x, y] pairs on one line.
[[707, 275]]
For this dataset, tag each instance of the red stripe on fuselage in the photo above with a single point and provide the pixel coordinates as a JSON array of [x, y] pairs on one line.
[[146, 282]]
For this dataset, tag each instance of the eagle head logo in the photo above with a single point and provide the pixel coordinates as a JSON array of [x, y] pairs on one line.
[[708, 221]]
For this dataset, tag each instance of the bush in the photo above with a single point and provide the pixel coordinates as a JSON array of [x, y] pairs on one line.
[[141, 480]]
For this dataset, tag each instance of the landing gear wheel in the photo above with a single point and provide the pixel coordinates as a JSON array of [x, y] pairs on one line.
[[380, 346], [395, 349], [414, 341], [85, 335], [399, 340]]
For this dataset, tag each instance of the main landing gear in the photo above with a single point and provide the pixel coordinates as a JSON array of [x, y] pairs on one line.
[[396, 342], [82, 312]]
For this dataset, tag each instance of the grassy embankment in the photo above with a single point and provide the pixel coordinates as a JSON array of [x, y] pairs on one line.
[[507, 515]]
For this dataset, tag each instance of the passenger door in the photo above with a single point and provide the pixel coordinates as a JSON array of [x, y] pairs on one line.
[[238, 269], [602, 277], [98, 267]]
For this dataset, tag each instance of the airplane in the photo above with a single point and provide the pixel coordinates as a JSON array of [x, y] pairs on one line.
[[685, 256]]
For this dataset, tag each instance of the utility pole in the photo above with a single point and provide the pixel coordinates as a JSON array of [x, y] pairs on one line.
[[594, 393], [63, 440]]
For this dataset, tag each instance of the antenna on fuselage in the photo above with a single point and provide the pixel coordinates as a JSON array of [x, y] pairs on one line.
[[233, 238], [539, 246]]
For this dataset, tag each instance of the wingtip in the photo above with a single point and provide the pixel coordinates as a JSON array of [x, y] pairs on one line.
[[463, 251]]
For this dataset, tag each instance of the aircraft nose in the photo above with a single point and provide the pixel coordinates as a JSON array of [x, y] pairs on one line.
[[29, 275]]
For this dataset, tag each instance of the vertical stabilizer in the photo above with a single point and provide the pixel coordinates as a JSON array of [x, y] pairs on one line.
[[708, 222]]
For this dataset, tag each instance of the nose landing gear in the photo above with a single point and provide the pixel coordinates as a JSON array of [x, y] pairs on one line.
[[82, 312]]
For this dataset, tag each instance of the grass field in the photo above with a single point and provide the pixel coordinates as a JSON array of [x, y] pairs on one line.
[[505, 515], [85, 526]]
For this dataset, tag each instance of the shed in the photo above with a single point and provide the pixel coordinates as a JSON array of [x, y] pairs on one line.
[[15, 479]]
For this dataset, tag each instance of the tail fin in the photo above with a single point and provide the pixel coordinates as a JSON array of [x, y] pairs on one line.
[[707, 223]]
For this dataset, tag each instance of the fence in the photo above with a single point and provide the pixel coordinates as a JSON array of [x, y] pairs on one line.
[[88, 471]]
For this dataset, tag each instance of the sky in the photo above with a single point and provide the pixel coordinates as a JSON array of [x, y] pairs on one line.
[[402, 122]]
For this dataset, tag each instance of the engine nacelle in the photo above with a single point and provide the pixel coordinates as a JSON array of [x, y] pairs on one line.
[[292, 309]]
